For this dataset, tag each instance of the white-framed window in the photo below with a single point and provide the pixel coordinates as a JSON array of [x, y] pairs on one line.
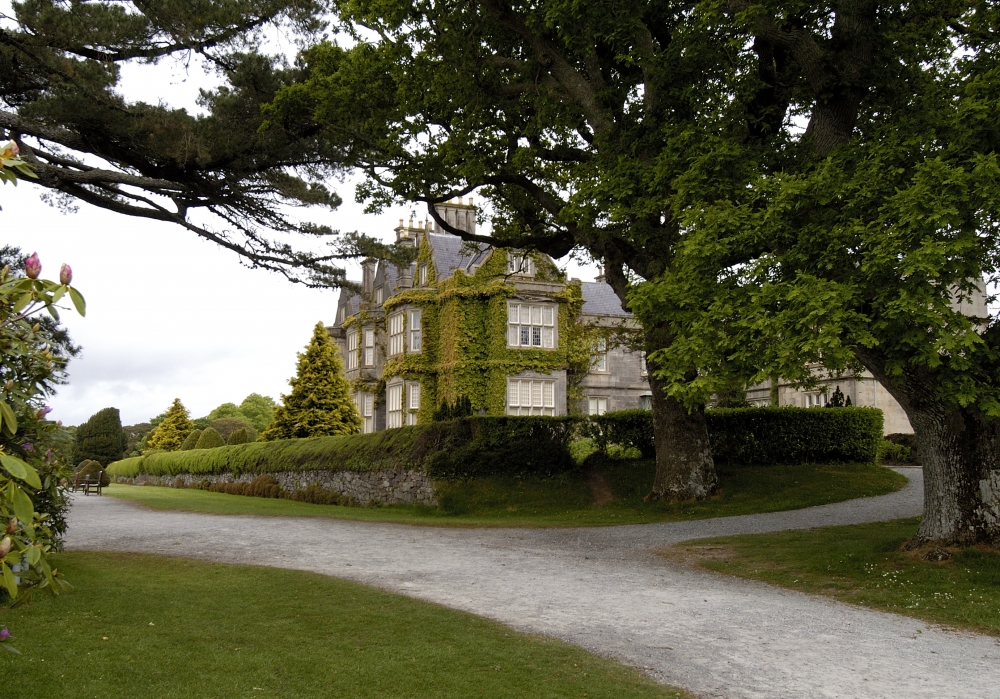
[[394, 405], [531, 397], [643, 369], [365, 403], [422, 275], [597, 405], [815, 400], [378, 296], [416, 331], [531, 325], [413, 402], [395, 334], [340, 314], [352, 349], [599, 356], [369, 347], [521, 265], [646, 402]]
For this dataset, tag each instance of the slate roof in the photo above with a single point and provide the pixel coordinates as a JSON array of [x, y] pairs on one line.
[[448, 254], [599, 299], [350, 301]]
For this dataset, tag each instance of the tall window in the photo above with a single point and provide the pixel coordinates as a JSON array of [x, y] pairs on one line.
[[369, 347], [599, 358], [365, 403], [416, 331], [597, 405], [643, 369], [394, 405], [378, 296], [521, 265], [395, 334], [413, 395], [423, 275], [815, 400], [531, 326], [531, 397], [352, 349]]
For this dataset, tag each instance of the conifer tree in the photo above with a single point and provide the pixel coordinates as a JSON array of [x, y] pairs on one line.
[[209, 439], [191, 440], [101, 438], [320, 402], [240, 436], [171, 433]]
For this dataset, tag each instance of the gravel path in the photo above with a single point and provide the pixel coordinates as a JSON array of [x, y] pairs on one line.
[[605, 590]]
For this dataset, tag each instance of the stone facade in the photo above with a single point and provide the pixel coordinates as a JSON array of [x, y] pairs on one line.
[[383, 487], [493, 326]]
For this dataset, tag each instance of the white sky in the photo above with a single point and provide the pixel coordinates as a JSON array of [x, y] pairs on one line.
[[168, 314]]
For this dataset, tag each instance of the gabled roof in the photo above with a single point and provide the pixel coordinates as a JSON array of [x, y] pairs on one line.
[[600, 299], [450, 253], [350, 301]]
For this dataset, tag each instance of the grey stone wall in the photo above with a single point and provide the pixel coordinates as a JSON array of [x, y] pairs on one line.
[[385, 487]]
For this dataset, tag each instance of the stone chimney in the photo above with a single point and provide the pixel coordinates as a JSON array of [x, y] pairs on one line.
[[601, 278], [368, 275], [459, 214]]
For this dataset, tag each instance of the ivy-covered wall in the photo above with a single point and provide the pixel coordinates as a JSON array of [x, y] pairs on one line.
[[464, 329]]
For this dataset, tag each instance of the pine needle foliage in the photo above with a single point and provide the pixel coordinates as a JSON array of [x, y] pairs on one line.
[[209, 439], [171, 433], [320, 403], [101, 438], [240, 436]]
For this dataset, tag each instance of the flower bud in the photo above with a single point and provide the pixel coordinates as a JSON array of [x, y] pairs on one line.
[[5, 545], [33, 266], [4, 634], [42, 412], [9, 386], [36, 327], [65, 274], [12, 526]]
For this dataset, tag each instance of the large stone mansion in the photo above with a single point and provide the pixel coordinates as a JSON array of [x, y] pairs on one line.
[[509, 332]]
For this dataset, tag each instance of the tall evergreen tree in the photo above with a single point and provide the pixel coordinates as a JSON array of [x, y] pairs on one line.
[[320, 402], [101, 438], [171, 433]]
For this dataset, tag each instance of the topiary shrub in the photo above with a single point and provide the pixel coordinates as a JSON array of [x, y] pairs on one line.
[[209, 439], [91, 468], [226, 426], [238, 437], [191, 440]]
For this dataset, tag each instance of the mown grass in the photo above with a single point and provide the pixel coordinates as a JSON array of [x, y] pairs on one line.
[[566, 500], [150, 626], [864, 564]]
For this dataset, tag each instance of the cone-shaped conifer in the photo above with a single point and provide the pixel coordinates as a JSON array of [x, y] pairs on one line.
[[240, 436], [101, 438], [320, 402], [171, 433], [209, 439], [191, 440]]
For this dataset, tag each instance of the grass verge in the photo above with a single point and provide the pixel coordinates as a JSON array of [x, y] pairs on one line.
[[150, 626], [863, 564], [566, 500]]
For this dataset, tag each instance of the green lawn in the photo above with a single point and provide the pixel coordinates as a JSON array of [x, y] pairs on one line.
[[149, 626], [863, 564], [566, 500]]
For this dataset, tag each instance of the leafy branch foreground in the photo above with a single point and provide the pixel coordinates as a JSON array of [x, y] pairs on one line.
[[140, 625], [864, 564], [568, 499]]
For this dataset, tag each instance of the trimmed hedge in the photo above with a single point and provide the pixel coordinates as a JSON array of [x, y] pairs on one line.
[[467, 448], [474, 447], [766, 435]]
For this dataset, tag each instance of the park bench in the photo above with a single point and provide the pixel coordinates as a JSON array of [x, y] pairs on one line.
[[88, 483]]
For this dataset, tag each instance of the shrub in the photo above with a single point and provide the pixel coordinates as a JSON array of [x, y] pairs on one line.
[[455, 449], [909, 441], [227, 425], [101, 438], [90, 467], [240, 436], [170, 434], [209, 439], [191, 440], [890, 452], [764, 435]]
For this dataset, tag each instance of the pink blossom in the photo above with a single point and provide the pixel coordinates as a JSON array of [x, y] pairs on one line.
[[65, 274], [33, 266], [4, 634], [42, 412]]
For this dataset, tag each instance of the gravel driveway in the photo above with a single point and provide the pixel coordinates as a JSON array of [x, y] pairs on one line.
[[604, 589]]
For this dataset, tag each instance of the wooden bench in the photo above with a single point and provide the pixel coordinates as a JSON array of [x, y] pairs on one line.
[[88, 483]]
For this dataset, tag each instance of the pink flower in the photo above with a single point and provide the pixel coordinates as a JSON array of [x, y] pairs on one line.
[[33, 266], [4, 634], [65, 275], [42, 412]]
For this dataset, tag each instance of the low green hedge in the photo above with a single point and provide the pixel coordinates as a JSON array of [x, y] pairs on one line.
[[764, 435], [470, 447]]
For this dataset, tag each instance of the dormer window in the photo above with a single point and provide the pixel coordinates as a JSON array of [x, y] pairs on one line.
[[521, 265], [378, 296], [423, 275], [340, 314]]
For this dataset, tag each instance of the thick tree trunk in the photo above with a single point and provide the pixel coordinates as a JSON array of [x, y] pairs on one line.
[[684, 466], [960, 455], [960, 452]]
